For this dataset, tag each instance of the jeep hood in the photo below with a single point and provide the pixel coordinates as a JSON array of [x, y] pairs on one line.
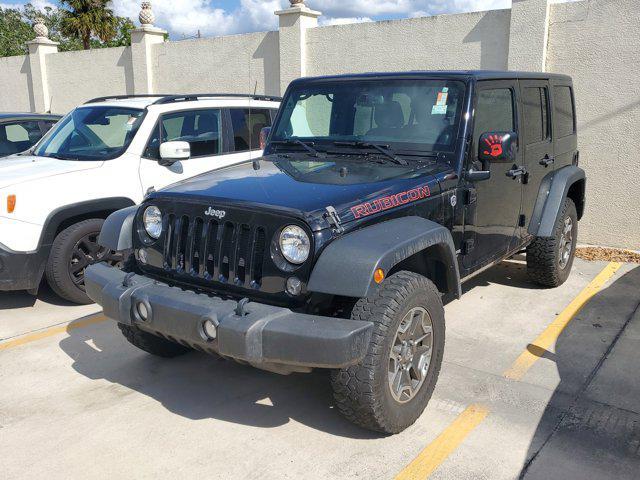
[[17, 169], [306, 186]]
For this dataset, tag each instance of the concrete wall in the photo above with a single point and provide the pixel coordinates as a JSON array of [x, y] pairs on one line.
[[598, 44], [15, 87], [470, 40], [595, 41], [234, 64], [75, 77]]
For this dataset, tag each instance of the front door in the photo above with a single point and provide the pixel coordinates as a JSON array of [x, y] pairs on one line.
[[536, 141], [492, 222]]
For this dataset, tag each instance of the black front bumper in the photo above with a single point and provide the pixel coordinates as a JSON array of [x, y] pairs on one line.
[[259, 334], [20, 270]]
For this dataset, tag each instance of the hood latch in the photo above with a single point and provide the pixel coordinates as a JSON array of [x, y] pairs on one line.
[[334, 220]]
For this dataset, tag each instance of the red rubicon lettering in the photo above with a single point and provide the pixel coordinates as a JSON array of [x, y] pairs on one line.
[[390, 201]]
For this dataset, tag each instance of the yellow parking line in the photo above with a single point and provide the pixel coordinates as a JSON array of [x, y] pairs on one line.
[[49, 332], [437, 451], [548, 338]]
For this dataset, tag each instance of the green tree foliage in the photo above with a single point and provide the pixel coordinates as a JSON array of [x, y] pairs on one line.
[[86, 19], [16, 28]]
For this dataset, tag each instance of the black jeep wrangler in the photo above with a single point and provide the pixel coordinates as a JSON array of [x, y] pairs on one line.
[[376, 196]]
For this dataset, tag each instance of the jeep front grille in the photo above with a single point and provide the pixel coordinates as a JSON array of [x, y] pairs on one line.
[[216, 250]]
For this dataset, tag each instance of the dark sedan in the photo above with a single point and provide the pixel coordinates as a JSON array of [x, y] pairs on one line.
[[20, 131]]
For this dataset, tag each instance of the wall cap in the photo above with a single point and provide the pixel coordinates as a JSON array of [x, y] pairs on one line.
[[299, 9]]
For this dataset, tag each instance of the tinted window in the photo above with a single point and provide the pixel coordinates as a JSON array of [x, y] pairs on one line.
[[201, 128], [247, 124], [494, 113], [564, 121], [18, 137], [536, 114]]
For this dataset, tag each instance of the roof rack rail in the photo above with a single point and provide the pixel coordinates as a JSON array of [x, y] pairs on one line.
[[125, 97], [195, 96]]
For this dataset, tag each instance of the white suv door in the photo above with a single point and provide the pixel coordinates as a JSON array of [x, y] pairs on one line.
[[203, 130]]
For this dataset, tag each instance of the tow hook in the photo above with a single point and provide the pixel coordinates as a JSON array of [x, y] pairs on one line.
[[240, 308]]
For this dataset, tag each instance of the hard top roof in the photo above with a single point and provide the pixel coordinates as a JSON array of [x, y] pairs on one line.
[[4, 116]]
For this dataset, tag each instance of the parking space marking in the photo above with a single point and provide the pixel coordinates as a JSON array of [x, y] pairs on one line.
[[51, 331], [549, 336], [447, 442]]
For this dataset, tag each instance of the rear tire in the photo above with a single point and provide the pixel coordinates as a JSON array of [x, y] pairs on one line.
[[150, 343], [549, 259], [371, 394]]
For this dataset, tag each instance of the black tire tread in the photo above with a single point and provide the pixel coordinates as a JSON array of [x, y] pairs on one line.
[[151, 343], [354, 387]]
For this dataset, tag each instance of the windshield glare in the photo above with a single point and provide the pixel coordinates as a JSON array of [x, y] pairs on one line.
[[408, 114], [91, 133]]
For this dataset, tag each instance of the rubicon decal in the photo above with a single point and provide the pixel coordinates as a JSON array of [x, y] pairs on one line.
[[391, 201]]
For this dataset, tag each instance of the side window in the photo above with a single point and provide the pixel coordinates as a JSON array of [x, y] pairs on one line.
[[494, 113], [536, 114], [201, 128], [247, 124], [23, 132], [564, 118]]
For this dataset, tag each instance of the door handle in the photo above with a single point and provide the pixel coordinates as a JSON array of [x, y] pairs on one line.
[[516, 172], [546, 161]]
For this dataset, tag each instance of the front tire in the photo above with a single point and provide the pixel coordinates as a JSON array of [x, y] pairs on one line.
[[391, 387], [74, 249], [549, 260]]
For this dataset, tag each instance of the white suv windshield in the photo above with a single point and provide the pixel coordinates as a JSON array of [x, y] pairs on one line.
[[91, 133]]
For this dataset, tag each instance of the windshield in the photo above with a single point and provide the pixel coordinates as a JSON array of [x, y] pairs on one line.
[[421, 115], [91, 133]]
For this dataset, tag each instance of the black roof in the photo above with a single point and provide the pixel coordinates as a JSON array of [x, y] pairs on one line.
[[462, 74], [6, 116]]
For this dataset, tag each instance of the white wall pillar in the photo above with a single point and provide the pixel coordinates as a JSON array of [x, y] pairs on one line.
[[294, 23], [38, 50], [529, 33], [142, 41]]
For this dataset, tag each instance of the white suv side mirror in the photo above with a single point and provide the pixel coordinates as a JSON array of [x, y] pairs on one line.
[[171, 152]]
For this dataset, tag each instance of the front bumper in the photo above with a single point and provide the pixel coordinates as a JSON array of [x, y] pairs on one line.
[[21, 270], [262, 335]]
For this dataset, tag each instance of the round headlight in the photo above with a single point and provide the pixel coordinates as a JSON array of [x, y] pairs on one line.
[[152, 219], [294, 244]]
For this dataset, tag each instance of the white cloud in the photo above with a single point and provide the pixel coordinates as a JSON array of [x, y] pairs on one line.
[[326, 21]]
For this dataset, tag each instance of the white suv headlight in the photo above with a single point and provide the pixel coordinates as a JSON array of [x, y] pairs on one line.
[[294, 244], [152, 220]]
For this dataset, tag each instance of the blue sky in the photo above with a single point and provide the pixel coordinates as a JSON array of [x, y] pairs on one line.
[[223, 17]]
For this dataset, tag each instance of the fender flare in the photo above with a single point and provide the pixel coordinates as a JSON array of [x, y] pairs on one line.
[[551, 196], [117, 230], [346, 266]]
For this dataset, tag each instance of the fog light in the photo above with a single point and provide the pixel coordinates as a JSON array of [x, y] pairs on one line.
[[142, 255], [143, 311], [210, 330], [294, 286]]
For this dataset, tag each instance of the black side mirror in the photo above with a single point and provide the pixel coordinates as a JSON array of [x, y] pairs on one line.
[[497, 147]]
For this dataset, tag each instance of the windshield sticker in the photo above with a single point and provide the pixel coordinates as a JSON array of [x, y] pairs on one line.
[[440, 108], [130, 123], [391, 201]]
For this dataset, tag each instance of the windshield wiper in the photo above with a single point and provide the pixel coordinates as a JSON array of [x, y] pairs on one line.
[[384, 149], [59, 156], [308, 146]]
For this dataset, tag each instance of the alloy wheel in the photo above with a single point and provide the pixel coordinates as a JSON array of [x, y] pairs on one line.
[[566, 243], [86, 252]]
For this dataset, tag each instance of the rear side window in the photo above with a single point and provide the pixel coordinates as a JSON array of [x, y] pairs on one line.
[[201, 128], [536, 114], [494, 113], [564, 120], [246, 124]]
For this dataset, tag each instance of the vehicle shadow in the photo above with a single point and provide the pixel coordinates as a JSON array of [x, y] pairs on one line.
[[23, 299], [591, 425], [510, 273], [199, 386]]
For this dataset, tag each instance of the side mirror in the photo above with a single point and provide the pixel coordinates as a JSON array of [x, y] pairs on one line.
[[497, 147], [264, 135], [171, 152]]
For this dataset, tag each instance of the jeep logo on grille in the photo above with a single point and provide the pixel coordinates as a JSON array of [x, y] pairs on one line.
[[215, 213]]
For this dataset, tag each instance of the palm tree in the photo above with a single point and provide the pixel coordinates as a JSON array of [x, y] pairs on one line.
[[86, 18]]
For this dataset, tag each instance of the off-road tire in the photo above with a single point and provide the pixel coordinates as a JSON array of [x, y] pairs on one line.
[[362, 392], [150, 343], [543, 254], [57, 269]]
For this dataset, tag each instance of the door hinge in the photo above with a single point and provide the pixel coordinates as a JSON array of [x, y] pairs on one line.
[[522, 221], [471, 196], [467, 246]]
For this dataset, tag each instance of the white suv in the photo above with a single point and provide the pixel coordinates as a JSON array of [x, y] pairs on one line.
[[104, 156]]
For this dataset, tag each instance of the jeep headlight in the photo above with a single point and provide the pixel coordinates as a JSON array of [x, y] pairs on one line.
[[294, 244], [152, 220]]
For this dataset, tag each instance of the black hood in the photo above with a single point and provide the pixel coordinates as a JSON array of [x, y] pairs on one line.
[[305, 186]]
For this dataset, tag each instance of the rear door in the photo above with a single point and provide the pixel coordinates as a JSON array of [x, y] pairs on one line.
[[536, 141], [246, 124]]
